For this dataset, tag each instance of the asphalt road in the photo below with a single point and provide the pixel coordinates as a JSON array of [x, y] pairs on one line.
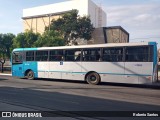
[[64, 95]]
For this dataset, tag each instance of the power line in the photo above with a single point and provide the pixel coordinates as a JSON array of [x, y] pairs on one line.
[[144, 38]]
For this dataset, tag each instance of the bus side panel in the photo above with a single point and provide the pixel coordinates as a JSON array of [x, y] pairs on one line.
[[55, 70], [17, 70], [147, 70], [138, 72], [31, 66], [109, 71], [60, 70], [43, 69], [72, 71]]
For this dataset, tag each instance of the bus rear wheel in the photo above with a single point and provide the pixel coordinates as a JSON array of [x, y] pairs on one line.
[[93, 78], [30, 75]]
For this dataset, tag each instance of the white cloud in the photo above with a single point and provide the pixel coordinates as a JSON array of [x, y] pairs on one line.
[[135, 18], [141, 21], [132, 11], [143, 17]]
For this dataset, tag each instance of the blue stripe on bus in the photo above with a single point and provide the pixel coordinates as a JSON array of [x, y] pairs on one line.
[[155, 51], [22, 49], [154, 54], [126, 74], [98, 73]]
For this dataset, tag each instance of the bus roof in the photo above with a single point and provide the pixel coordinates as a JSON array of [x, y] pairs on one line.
[[88, 46]]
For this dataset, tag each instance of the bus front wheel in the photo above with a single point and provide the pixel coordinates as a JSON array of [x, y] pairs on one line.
[[30, 75], [93, 78]]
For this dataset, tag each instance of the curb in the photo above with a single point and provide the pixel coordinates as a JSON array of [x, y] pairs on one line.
[[6, 74]]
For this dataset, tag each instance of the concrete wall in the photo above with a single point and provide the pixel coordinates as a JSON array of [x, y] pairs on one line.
[[47, 9], [97, 14], [98, 36], [114, 34], [37, 18], [38, 24]]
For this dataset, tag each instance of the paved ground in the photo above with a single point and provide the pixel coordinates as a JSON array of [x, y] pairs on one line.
[[48, 95]]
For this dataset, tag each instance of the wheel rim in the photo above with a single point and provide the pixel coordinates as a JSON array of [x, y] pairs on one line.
[[30, 74], [92, 78]]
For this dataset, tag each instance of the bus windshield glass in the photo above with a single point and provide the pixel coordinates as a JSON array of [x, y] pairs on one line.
[[16, 57]]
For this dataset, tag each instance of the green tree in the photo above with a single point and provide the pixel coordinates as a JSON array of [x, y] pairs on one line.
[[6, 41], [48, 39], [71, 26], [25, 40], [85, 28]]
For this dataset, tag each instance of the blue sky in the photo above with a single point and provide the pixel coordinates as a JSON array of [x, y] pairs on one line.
[[141, 18]]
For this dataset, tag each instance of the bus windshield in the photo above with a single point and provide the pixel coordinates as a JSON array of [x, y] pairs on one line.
[[16, 57]]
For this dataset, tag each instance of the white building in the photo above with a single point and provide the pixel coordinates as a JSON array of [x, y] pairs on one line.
[[37, 18]]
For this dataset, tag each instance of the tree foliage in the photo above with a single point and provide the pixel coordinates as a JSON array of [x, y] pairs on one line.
[[30, 39], [71, 26], [25, 40], [48, 39], [6, 41]]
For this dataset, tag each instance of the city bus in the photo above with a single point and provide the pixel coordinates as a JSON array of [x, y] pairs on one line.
[[114, 62]]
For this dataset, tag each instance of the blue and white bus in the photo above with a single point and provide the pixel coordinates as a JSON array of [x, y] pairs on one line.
[[121, 63]]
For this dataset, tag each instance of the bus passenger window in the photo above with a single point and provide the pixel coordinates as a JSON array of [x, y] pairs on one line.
[[56, 55], [41, 55], [112, 54], [73, 55], [91, 55], [30, 56], [138, 54], [78, 57]]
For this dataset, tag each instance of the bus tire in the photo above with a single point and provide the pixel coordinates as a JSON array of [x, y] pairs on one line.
[[93, 78], [30, 75]]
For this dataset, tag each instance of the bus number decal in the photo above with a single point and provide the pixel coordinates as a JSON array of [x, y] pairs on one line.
[[61, 63]]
